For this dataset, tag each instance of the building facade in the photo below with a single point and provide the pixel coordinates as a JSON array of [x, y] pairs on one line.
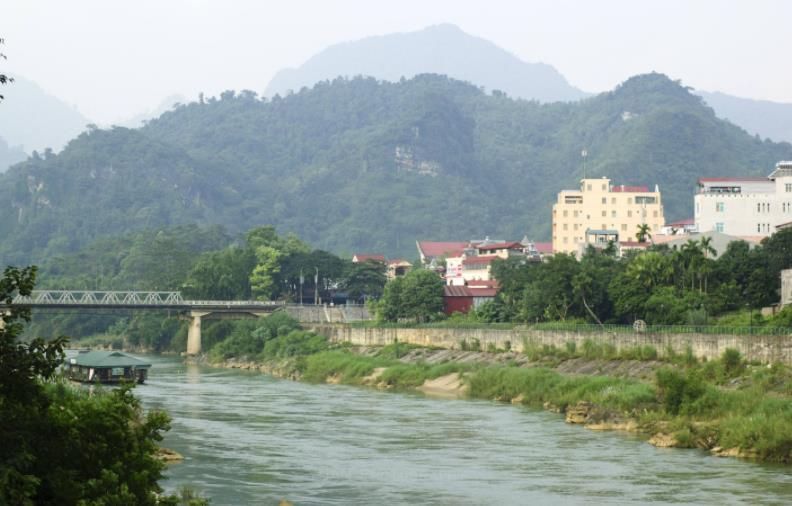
[[600, 206], [747, 206]]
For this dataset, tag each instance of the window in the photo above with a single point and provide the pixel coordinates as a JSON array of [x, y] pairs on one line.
[[613, 200], [719, 227], [629, 200], [654, 214], [604, 226], [604, 200], [566, 213], [588, 187], [604, 187], [575, 214], [629, 214], [576, 226], [758, 227], [758, 208], [566, 227], [719, 207], [604, 213], [645, 200], [624, 227], [788, 187], [566, 240], [613, 214]]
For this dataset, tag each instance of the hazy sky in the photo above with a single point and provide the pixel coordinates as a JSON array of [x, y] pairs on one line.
[[115, 59]]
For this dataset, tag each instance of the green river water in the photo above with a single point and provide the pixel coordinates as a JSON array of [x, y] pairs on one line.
[[248, 438]]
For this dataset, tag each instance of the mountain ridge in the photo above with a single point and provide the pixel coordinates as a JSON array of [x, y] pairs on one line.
[[366, 165]]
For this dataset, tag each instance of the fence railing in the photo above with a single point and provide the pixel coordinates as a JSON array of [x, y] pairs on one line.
[[585, 328]]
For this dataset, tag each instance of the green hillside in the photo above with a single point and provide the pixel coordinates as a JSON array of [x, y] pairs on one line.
[[365, 165]]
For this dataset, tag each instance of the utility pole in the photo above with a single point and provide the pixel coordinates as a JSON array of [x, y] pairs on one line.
[[316, 286], [302, 280]]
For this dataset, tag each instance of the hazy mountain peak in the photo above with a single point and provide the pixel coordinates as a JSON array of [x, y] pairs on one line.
[[440, 49], [31, 117]]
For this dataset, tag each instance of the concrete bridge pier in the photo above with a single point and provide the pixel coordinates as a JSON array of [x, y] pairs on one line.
[[194, 332]]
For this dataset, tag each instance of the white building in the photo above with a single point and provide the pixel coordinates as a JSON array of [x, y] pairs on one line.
[[747, 206]]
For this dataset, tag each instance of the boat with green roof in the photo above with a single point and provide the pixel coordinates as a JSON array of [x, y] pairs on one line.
[[105, 367]]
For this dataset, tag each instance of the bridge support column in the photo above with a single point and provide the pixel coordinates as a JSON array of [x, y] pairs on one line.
[[194, 332]]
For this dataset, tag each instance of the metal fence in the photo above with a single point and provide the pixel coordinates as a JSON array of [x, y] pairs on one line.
[[586, 328]]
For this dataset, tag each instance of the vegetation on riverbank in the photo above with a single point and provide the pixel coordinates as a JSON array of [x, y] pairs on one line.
[[65, 445]]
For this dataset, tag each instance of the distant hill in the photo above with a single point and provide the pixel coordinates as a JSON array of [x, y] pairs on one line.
[[441, 49], [138, 120], [9, 155], [767, 119], [35, 120], [363, 165]]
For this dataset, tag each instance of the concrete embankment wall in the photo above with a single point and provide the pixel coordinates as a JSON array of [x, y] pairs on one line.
[[328, 314], [764, 349]]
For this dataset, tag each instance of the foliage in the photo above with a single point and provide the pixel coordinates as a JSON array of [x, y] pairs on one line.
[[364, 279], [249, 337], [363, 165], [60, 445], [417, 296]]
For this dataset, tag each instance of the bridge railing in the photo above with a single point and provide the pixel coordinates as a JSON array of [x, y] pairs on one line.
[[100, 298], [233, 303]]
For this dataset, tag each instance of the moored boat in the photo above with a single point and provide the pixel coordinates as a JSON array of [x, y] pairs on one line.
[[105, 367]]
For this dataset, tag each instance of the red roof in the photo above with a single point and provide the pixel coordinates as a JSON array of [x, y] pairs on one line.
[[730, 179], [545, 248], [438, 249], [629, 189], [362, 257], [682, 223], [501, 245], [478, 260], [466, 291]]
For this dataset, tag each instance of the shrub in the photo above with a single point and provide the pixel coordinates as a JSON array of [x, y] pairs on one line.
[[732, 362], [675, 389]]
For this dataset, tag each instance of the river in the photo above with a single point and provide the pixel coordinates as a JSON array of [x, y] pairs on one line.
[[248, 438]]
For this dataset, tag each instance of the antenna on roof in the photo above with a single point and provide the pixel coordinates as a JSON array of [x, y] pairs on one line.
[[584, 154]]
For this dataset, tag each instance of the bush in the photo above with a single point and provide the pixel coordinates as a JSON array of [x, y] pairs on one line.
[[675, 389], [732, 362]]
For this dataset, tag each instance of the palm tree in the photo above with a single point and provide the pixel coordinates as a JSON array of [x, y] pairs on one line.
[[643, 233]]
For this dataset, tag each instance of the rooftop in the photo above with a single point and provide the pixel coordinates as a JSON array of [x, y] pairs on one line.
[[747, 179], [478, 260], [501, 245], [466, 291], [363, 257], [106, 359], [438, 249]]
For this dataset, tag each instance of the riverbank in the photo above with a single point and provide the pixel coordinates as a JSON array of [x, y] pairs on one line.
[[726, 407]]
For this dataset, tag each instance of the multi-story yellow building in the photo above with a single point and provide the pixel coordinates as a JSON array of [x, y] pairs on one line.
[[599, 213]]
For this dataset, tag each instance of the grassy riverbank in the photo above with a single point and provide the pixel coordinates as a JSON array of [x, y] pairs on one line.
[[726, 406]]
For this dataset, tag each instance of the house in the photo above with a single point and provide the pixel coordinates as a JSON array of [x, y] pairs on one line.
[[598, 205], [105, 367], [461, 299], [367, 257], [745, 206], [398, 267], [433, 251]]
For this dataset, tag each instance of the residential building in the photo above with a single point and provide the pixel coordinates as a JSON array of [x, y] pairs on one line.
[[717, 241], [366, 257], [745, 206], [398, 267], [600, 206]]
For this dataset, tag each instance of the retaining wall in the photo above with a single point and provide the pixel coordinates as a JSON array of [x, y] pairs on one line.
[[763, 349]]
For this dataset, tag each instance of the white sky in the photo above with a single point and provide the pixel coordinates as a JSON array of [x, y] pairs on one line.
[[114, 59]]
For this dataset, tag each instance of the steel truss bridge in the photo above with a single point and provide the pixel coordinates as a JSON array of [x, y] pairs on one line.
[[85, 299]]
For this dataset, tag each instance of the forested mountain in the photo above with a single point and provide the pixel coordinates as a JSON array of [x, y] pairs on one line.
[[447, 50], [767, 119], [358, 164], [442, 49], [35, 120]]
